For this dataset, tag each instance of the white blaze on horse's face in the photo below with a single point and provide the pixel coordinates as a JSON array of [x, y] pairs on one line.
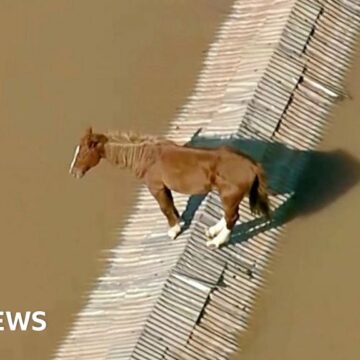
[[86, 156], [72, 169]]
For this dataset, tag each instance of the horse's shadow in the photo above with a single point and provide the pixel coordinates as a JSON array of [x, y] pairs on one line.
[[316, 179]]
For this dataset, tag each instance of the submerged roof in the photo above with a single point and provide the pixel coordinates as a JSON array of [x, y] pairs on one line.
[[271, 77]]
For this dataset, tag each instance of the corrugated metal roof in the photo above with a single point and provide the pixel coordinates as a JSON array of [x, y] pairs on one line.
[[272, 75]]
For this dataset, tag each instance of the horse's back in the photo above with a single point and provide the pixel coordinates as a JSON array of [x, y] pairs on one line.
[[187, 155], [220, 158], [199, 170], [186, 170]]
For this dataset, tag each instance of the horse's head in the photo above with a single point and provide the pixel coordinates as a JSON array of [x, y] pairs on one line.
[[88, 153]]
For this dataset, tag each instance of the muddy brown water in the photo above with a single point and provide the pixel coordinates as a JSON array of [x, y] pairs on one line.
[[310, 308], [65, 65], [116, 64]]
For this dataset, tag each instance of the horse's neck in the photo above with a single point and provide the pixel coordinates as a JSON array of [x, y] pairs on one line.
[[130, 156]]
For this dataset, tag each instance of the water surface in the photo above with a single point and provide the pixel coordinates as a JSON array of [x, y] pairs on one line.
[[65, 65]]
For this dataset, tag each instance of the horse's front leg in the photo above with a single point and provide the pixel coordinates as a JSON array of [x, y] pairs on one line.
[[164, 198]]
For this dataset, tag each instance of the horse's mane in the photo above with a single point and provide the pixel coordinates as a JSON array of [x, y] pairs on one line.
[[130, 137], [132, 150]]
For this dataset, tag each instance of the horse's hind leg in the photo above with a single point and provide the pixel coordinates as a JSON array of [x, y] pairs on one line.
[[212, 231], [165, 200], [230, 201]]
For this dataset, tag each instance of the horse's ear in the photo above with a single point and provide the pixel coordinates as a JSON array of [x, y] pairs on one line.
[[89, 131], [99, 141], [87, 136]]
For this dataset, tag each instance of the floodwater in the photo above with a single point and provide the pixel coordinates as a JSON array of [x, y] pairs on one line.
[[310, 308], [65, 65]]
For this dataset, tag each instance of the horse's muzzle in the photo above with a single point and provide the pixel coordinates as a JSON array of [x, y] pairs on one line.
[[76, 173]]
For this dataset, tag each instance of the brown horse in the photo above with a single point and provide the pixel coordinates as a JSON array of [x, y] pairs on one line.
[[164, 166]]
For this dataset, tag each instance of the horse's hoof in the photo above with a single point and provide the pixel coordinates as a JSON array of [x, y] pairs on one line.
[[210, 233], [174, 231], [207, 234], [212, 245]]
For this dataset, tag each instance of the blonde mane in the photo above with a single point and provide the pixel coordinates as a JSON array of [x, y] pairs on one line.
[[131, 150], [130, 137]]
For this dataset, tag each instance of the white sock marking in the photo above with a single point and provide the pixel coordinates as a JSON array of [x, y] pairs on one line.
[[215, 229], [222, 238], [174, 231], [77, 150]]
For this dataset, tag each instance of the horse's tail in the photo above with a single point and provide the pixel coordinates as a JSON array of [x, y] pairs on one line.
[[258, 195]]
